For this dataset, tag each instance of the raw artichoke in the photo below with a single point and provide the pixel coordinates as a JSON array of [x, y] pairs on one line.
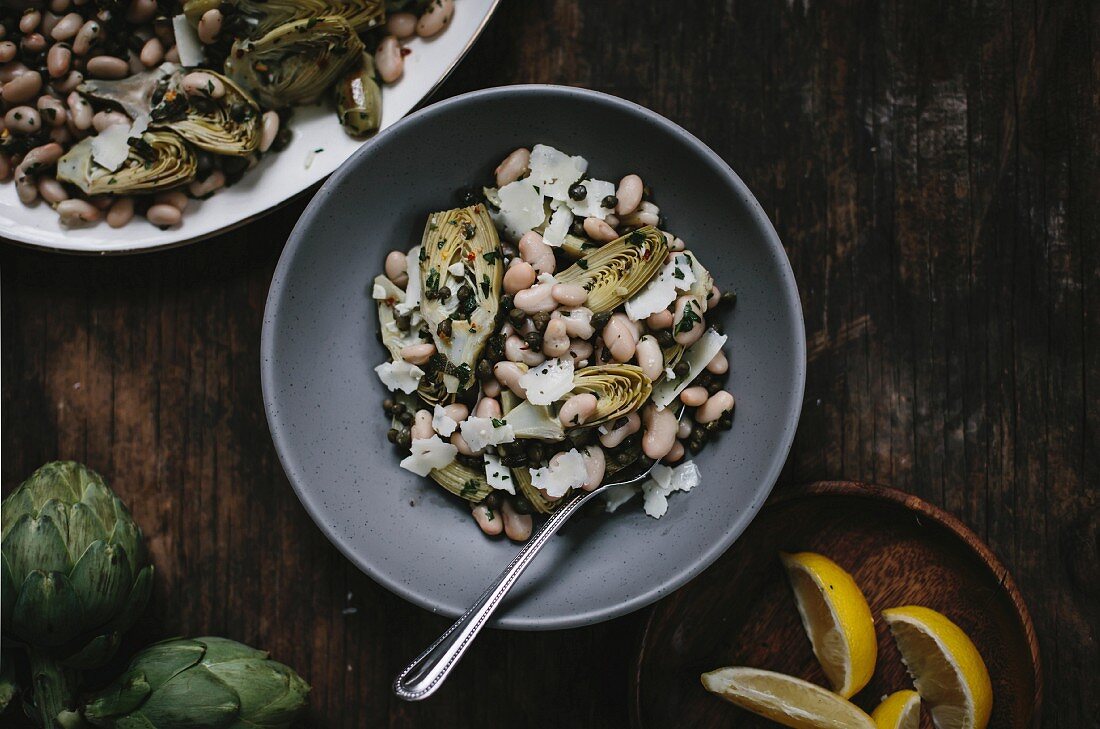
[[616, 271], [201, 683], [359, 99], [74, 576], [296, 62], [463, 237], [261, 16], [158, 160]]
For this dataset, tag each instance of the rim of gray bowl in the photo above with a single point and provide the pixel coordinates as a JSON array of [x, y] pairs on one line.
[[633, 602]]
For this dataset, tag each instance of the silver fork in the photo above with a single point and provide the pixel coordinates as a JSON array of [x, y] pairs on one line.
[[426, 673]]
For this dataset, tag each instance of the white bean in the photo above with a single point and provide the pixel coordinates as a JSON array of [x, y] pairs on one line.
[[490, 521], [396, 265], [269, 130], [198, 83], [175, 198], [619, 337], [59, 6], [457, 412], [418, 354], [660, 431], [49, 22], [578, 321], [58, 60], [33, 43], [22, 88], [51, 190], [34, 161], [29, 21], [487, 407], [595, 465], [69, 83], [67, 27], [597, 229], [152, 53], [491, 387], [555, 340], [388, 59], [517, 350], [508, 374], [578, 409], [102, 120], [684, 430], [172, 55], [23, 119], [650, 357], [617, 435], [61, 135], [435, 18], [629, 194], [580, 350], [163, 215], [202, 188], [517, 526], [713, 297], [121, 212], [533, 249], [513, 167], [688, 308], [519, 276], [694, 396], [422, 425], [85, 37], [569, 294], [141, 11], [107, 67], [8, 51], [463, 447], [717, 405], [75, 211], [401, 25], [660, 319], [641, 217], [676, 454], [718, 365], [210, 26], [535, 299]]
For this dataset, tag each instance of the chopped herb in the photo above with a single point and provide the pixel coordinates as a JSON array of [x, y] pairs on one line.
[[499, 422], [468, 230], [423, 254], [319, 150], [677, 273], [470, 488], [440, 244], [433, 280], [636, 238], [689, 320], [582, 263], [486, 285], [490, 256]]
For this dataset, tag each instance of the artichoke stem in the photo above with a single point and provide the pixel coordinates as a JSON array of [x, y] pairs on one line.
[[54, 690]]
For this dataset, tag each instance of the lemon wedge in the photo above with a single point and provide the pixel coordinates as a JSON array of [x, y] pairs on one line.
[[837, 619], [946, 667], [900, 710], [785, 699]]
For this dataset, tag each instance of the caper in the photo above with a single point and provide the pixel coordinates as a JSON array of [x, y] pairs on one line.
[[403, 321], [577, 227], [391, 435], [664, 338], [387, 405], [514, 460], [535, 452], [484, 369], [465, 291], [729, 298], [506, 302], [534, 340], [521, 505], [404, 439], [681, 369], [444, 293], [540, 320], [444, 328], [492, 500], [405, 418], [714, 387], [609, 202], [516, 316], [599, 321], [398, 408], [577, 191]]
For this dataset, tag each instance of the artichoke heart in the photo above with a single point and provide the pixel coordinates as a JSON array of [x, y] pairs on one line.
[[461, 270], [462, 481], [359, 99], [230, 125], [139, 94], [620, 389], [616, 271], [157, 160], [262, 16], [296, 62]]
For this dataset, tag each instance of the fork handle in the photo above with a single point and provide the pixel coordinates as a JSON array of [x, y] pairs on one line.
[[426, 674]]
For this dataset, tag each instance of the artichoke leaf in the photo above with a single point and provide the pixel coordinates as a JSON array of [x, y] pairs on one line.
[[617, 270], [393, 338], [359, 99], [231, 125], [538, 500], [35, 544], [576, 247], [158, 160], [296, 62], [85, 527], [47, 611], [462, 481], [466, 238], [95, 652], [103, 577], [535, 421]]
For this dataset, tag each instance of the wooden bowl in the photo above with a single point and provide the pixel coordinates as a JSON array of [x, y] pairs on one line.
[[899, 549]]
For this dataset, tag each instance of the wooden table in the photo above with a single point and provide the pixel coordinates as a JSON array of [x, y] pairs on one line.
[[934, 172]]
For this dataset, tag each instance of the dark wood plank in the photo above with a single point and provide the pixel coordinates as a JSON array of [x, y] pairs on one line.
[[932, 168]]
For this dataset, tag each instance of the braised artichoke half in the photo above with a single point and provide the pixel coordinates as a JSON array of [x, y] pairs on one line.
[[616, 271], [261, 16], [393, 337], [138, 94], [157, 160], [296, 62], [620, 389], [230, 125], [459, 306], [359, 99]]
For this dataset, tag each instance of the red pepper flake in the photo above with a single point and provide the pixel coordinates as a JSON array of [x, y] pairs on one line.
[[405, 51], [471, 256]]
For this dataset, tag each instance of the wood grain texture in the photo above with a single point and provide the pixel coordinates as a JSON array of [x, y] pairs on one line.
[[933, 169], [900, 550]]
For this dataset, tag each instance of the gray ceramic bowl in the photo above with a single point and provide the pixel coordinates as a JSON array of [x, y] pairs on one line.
[[324, 402]]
